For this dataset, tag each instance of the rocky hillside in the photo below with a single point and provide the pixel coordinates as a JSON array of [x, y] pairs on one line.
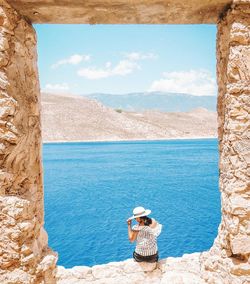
[[77, 118], [167, 102]]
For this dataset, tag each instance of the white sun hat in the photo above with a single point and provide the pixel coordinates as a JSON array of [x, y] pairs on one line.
[[140, 212]]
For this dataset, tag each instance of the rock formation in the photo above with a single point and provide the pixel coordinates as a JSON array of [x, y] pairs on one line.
[[229, 258], [75, 118], [24, 254], [178, 270], [121, 11]]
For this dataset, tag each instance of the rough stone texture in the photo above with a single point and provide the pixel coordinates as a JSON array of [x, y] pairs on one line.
[[122, 11], [24, 253], [179, 270], [229, 259]]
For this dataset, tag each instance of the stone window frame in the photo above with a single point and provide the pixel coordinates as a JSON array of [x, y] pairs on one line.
[[24, 253]]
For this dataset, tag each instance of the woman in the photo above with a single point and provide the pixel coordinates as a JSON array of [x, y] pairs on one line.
[[145, 233]]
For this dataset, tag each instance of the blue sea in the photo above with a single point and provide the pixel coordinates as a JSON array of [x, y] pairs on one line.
[[92, 188]]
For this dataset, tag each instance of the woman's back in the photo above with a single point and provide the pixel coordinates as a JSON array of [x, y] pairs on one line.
[[146, 241], [145, 234]]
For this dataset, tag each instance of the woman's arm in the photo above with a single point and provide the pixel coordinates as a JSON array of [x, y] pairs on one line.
[[131, 234]]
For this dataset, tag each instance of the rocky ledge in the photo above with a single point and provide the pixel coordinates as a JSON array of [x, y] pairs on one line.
[[178, 270]]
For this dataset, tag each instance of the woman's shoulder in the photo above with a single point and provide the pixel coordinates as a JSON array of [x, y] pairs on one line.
[[137, 227], [156, 227], [154, 224]]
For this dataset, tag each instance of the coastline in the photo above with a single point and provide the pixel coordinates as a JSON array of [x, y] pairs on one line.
[[130, 140]]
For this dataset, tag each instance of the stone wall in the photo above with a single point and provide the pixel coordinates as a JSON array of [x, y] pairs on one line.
[[24, 255], [233, 57], [229, 258], [121, 11]]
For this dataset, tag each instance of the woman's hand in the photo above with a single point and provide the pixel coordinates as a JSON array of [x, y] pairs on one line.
[[129, 222], [132, 235]]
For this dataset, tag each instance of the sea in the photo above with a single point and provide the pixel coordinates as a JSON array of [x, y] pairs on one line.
[[91, 189]]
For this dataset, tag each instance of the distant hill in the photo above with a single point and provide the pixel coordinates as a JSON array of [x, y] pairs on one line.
[[167, 102], [77, 118]]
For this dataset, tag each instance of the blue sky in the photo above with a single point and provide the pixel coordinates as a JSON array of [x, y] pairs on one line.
[[84, 59]]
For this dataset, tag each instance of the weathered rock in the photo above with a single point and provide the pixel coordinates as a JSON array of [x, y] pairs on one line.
[[228, 259], [24, 254], [241, 269], [240, 245], [122, 11], [181, 278], [239, 205], [179, 270], [106, 271], [130, 266]]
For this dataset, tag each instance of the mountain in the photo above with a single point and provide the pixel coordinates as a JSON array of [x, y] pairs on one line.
[[77, 118], [167, 102]]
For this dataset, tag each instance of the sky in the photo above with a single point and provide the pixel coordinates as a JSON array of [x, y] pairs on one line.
[[119, 59]]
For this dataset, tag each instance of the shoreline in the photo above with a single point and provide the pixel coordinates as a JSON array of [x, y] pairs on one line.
[[130, 140]]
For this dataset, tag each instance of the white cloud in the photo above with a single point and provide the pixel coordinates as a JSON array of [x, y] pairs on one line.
[[93, 73], [73, 60], [195, 82], [124, 67], [57, 87], [140, 56], [108, 64]]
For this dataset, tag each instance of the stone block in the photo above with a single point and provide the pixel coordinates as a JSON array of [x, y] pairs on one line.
[[173, 277], [234, 186], [62, 273], [240, 32], [247, 158], [131, 266], [15, 207], [135, 278], [48, 262], [239, 65], [239, 206], [17, 276], [246, 225], [241, 269], [240, 244], [121, 12], [3, 80], [239, 113], [232, 224], [109, 270], [81, 272]]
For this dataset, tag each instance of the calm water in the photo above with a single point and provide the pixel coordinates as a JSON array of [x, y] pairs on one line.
[[91, 188]]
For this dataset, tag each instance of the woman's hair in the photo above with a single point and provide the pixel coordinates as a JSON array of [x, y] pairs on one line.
[[147, 221]]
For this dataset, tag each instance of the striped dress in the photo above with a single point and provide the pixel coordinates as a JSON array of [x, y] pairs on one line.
[[146, 241]]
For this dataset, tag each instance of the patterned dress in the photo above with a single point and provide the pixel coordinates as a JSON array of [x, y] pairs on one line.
[[146, 241]]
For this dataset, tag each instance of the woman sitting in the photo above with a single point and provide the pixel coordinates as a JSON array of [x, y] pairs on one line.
[[145, 233]]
